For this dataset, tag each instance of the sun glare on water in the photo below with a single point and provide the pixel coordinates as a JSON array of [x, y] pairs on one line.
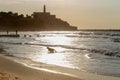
[[60, 40], [53, 58], [57, 58]]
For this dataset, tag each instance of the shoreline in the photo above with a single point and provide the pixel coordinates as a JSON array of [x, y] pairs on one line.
[[54, 72], [27, 73]]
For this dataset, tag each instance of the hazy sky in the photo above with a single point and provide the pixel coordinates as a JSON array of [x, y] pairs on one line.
[[86, 14]]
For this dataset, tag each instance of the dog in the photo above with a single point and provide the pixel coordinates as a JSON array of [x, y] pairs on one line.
[[51, 50]]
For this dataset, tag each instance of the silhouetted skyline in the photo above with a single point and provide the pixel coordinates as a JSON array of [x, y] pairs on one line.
[[86, 14], [38, 21]]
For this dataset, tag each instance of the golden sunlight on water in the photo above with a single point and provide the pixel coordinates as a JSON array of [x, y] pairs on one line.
[[59, 39], [53, 58], [59, 57]]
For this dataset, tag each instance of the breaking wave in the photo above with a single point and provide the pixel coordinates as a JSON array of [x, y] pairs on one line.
[[92, 50]]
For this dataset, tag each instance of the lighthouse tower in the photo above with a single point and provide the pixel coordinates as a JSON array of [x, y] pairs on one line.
[[44, 9]]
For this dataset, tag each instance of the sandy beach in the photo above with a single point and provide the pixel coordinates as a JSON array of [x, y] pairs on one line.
[[20, 72], [25, 73], [12, 70], [8, 76]]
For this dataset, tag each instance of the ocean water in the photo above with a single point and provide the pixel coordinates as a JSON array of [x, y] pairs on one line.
[[93, 51]]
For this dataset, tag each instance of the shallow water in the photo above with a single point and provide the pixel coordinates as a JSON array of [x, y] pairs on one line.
[[83, 50]]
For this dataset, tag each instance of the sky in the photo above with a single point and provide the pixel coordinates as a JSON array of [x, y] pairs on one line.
[[85, 14]]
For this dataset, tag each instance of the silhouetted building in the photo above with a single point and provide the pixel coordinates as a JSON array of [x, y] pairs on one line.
[[37, 21], [44, 9], [51, 22]]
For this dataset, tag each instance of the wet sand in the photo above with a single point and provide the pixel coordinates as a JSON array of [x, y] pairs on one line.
[[22, 72], [25, 73], [11, 70]]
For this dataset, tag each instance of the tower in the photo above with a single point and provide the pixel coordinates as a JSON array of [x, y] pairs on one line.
[[44, 9]]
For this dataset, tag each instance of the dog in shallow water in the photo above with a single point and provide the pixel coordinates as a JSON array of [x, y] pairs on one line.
[[51, 50]]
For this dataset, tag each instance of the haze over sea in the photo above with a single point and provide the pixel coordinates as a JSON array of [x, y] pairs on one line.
[[92, 51]]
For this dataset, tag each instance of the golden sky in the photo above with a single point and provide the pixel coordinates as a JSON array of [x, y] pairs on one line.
[[86, 14]]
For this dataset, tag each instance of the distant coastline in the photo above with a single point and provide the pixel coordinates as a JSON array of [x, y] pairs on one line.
[[38, 21], [98, 29]]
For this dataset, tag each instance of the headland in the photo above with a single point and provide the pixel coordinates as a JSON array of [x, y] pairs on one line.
[[38, 21]]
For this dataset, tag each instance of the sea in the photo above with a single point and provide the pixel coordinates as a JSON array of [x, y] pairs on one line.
[[92, 51]]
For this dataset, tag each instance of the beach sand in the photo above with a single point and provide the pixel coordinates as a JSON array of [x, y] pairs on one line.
[[22, 72], [8, 76], [11, 70], [17, 71]]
